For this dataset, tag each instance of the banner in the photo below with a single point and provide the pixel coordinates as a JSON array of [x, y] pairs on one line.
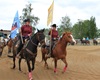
[[50, 14], [15, 26]]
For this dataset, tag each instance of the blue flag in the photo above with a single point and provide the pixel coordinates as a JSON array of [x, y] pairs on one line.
[[15, 26]]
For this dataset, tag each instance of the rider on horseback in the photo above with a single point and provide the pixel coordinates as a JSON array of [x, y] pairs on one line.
[[54, 37], [87, 38], [25, 32]]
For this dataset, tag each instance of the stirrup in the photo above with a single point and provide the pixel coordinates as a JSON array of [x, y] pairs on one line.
[[17, 56]]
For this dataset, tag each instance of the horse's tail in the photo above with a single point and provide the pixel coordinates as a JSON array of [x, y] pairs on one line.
[[44, 51], [43, 54]]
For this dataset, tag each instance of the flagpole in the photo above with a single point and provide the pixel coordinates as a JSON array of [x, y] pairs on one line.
[[51, 38], [51, 30], [50, 20], [21, 36]]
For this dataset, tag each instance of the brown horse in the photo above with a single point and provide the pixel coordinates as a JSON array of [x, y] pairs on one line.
[[9, 45], [59, 51], [11, 42], [2, 45]]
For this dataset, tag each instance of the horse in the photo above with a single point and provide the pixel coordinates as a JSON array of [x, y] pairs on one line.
[[29, 51], [85, 42], [59, 50], [2, 45], [10, 43], [95, 42]]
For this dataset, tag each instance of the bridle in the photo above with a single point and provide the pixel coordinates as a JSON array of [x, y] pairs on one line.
[[40, 41]]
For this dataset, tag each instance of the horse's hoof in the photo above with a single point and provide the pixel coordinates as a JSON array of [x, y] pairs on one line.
[[31, 79], [20, 70], [55, 70], [63, 72], [12, 68]]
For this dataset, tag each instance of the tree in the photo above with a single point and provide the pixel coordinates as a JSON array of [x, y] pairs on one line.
[[65, 25], [27, 13], [93, 28], [98, 33], [85, 28]]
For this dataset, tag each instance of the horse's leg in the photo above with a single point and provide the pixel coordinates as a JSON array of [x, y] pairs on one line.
[[64, 60], [33, 62], [14, 62], [44, 58], [29, 69], [9, 49], [14, 57], [20, 59], [1, 50], [55, 63], [9, 44], [46, 64]]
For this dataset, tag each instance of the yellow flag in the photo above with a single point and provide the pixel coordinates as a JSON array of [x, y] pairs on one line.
[[50, 13]]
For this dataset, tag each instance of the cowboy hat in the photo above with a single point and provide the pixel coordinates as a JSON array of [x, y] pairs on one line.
[[27, 20], [54, 25]]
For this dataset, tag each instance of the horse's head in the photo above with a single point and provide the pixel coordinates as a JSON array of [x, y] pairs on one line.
[[69, 37], [41, 36]]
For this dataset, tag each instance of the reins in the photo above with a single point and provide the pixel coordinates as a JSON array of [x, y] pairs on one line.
[[38, 40]]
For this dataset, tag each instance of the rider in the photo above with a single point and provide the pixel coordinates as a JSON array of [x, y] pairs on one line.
[[25, 33], [87, 38], [54, 37], [2, 36], [83, 38], [26, 30]]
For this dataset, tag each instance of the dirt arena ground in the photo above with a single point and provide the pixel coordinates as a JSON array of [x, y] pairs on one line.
[[83, 64]]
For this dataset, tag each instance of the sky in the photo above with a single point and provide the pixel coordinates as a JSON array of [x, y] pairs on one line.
[[75, 9]]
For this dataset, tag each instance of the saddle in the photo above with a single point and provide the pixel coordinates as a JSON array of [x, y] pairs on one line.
[[21, 47], [52, 46]]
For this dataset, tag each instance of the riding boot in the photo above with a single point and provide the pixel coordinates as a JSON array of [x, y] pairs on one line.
[[49, 53], [25, 44]]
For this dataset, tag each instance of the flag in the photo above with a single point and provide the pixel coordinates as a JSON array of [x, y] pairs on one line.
[[15, 26], [50, 13]]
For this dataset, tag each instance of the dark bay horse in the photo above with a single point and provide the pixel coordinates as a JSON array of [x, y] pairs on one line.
[[59, 51], [86, 42], [95, 42], [29, 51]]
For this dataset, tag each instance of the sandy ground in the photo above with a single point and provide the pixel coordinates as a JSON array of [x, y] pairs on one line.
[[83, 64]]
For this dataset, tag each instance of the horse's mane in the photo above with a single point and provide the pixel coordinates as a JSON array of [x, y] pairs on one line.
[[63, 35], [37, 32], [33, 35]]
